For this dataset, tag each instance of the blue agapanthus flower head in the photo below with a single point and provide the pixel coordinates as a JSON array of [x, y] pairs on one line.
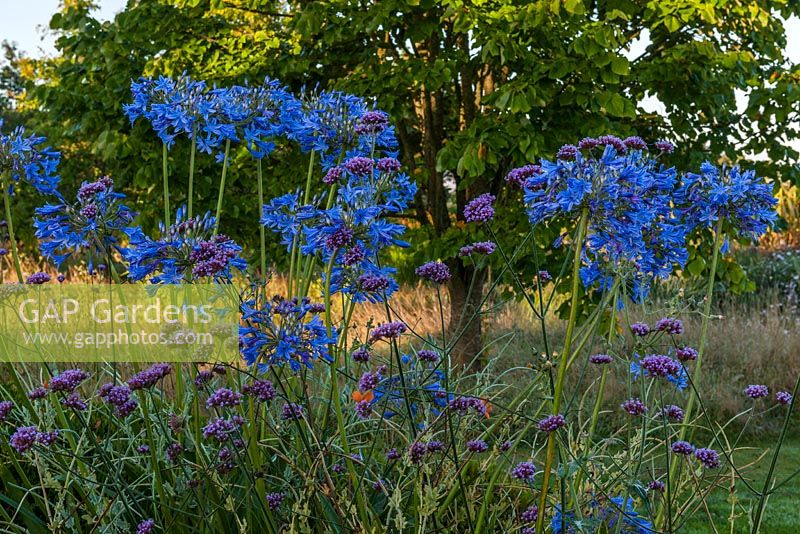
[[615, 514], [282, 331], [744, 200], [88, 228], [633, 233], [23, 157], [187, 250]]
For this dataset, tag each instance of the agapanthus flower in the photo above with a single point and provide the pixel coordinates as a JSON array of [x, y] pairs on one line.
[[632, 233], [480, 209], [188, 249], [756, 391], [744, 200], [24, 158], [524, 471], [281, 331], [783, 397], [682, 447], [435, 271], [634, 406], [551, 423], [708, 457], [89, 228]]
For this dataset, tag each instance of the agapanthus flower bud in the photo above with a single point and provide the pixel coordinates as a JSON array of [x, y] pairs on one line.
[[480, 209]]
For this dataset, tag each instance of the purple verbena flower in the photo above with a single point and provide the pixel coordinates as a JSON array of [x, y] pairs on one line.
[[477, 446], [146, 527], [5, 409], [435, 271], [291, 411], [387, 331], [224, 398], [672, 412], [708, 457], [68, 380], [669, 325], [38, 278], [530, 515], [682, 447], [551, 423], [640, 329], [567, 153], [37, 393], [656, 485], [520, 175], [260, 390], [480, 209], [363, 409], [783, 397], [664, 146], [480, 247], [274, 500], [361, 355], [427, 355], [359, 165], [635, 143], [658, 365], [756, 391], [634, 407], [524, 471], [600, 359], [686, 354]]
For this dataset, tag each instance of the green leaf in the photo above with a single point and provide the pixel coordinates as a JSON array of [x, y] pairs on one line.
[[696, 266]]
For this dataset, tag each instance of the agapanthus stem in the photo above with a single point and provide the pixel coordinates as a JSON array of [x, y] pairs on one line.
[[222, 185], [191, 171], [165, 172], [10, 226], [261, 229], [562, 365], [337, 400]]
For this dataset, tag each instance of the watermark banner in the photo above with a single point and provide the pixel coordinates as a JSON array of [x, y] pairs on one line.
[[122, 323]]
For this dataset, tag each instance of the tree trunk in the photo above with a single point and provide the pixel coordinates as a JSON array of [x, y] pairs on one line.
[[464, 331]]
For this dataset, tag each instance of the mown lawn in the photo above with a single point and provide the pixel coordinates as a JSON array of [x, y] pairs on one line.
[[783, 508]]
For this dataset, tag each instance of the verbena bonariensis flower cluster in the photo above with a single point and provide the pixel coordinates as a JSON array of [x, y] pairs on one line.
[[326, 424]]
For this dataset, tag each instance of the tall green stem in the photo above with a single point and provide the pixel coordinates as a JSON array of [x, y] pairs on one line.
[[261, 229], [762, 502], [696, 376], [562, 365], [222, 185], [191, 171], [165, 172], [10, 225]]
